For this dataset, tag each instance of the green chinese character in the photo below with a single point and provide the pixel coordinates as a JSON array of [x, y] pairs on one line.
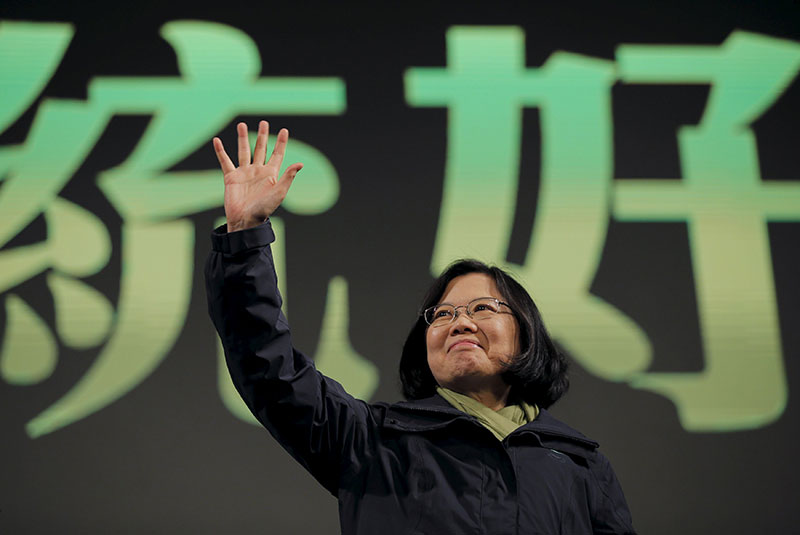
[[485, 87], [727, 206], [219, 79]]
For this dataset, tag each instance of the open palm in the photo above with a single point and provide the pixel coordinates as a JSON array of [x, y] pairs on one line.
[[252, 190]]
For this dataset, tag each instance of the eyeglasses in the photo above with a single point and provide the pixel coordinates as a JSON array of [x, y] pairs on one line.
[[478, 309]]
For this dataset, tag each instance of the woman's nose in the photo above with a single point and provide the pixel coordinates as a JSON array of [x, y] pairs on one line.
[[463, 323]]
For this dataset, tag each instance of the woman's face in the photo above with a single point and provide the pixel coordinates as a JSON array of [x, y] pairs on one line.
[[467, 355]]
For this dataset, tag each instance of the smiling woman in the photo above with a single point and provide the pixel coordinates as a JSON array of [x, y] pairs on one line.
[[472, 450], [467, 352], [527, 365]]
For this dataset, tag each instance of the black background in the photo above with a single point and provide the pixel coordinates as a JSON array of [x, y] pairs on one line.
[[169, 458]]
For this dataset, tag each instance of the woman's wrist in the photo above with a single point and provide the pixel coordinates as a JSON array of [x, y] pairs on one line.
[[237, 225]]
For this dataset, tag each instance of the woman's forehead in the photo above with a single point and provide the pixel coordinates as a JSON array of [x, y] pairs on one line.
[[465, 288]]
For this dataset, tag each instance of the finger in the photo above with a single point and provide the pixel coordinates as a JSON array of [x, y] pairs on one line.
[[280, 149], [224, 161], [244, 144], [288, 176], [260, 153]]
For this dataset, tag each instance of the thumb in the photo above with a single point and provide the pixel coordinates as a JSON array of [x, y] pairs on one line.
[[289, 174]]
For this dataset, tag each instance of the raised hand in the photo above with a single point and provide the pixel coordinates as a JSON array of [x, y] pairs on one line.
[[252, 190]]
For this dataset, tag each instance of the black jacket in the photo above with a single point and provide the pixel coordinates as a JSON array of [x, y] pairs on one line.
[[408, 468]]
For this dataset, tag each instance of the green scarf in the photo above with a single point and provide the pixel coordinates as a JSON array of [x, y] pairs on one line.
[[501, 423]]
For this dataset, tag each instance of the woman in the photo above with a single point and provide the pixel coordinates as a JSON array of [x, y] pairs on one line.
[[473, 450]]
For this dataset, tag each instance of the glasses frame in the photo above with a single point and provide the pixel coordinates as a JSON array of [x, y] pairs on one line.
[[466, 309]]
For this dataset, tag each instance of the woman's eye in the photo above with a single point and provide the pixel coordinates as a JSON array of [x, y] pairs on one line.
[[441, 313]]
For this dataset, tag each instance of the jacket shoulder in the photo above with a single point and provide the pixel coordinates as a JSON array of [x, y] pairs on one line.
[[609, 509], [555, 434]]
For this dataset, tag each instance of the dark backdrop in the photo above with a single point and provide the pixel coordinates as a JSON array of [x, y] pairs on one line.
[[165, 454]]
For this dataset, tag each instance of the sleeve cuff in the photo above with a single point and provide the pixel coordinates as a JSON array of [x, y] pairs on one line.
[[234, 242]]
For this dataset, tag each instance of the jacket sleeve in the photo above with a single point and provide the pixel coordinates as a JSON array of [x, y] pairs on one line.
[[311, 416], [609, 510]]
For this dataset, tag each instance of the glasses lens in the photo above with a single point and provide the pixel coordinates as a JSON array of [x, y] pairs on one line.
[[483, 308], [440, 314]]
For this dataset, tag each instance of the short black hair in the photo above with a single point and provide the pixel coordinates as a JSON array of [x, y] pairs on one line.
[[538, 375]]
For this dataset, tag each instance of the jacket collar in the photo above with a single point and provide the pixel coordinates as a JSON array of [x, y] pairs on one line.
[[435, 413]]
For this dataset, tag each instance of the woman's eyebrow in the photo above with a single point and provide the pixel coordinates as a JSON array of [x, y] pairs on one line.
[[471, 300]]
